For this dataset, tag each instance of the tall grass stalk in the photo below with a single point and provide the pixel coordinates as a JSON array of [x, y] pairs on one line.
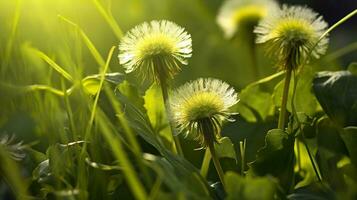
[[54, 65], [95, 53], [131, 176], [69, 112], [82, 176], [109, 19], [11, 39], [94, 106], [130, 135]]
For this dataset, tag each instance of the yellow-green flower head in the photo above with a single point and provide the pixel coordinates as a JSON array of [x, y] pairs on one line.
[[198, 108], [155, 49], [237, 14], [291, 33]]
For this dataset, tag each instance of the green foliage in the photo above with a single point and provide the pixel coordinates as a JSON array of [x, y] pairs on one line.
[[349, 137], [250, 188], [276, 158], [304, 101], [225, 149], [91, 83], [340, 108]]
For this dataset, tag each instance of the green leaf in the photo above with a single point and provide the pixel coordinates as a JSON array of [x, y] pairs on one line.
[[337, 94], [114, 182], [140, 123], [306, 175], [176, 179], [312, 192], [276, 158], [255, 104], [61, 159], [225, 148], [91, 83], [156, 112], [249, 188], [329, 137], [305, 100], [132, 94], [42, 172], [349, 136]]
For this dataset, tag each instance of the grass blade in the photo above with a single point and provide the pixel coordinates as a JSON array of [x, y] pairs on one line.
[[11, 39], [54, 65], [95, 53], [109, 19], [134, 183]]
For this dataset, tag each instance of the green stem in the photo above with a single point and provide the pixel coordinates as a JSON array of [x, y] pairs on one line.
[[282, 115], [242, 146], [216, 163], [341, 21], [69, 112], [11, 39], [130, 175], [205, 163], [82, 181], [130, 135], [109, 19], [165, 96], [316, 170], [298, 155]]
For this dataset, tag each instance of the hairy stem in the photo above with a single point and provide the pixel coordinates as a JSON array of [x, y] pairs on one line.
[[216, 163], [282, 114]]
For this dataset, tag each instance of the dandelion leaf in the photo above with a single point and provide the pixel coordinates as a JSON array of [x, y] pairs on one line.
[[276, 158], [337, 94]]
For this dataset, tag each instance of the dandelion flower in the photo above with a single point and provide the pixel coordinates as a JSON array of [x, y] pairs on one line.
[[15, 150], [237, 14], [292, 33], [156, 49], [199, 108]]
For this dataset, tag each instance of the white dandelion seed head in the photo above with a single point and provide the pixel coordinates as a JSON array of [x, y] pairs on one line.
[[236, 14], [293, 31], [202, 100], [156, 49]]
